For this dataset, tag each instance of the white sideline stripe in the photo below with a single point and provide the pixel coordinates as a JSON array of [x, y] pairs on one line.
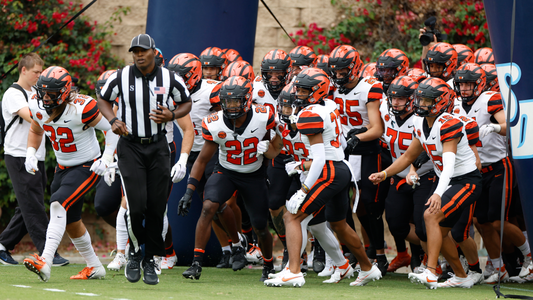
[[123, 298], [22, 286], [54, 290], [87, 294], [516, 289]]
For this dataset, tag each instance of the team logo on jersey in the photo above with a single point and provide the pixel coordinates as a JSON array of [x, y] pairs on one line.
[[222, 135], [387, 118], [39, 115], [261, 93], [418, 132], [456, 111], [391, 180], [132, 88]]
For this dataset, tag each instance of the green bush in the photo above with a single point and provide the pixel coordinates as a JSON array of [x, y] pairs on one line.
[[82, 47]]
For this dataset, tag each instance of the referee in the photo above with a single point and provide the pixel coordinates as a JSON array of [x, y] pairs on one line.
[[144, 89]]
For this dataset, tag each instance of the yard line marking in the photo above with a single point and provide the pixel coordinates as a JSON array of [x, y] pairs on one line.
[[22, 286], [87, 294], [54, 290]]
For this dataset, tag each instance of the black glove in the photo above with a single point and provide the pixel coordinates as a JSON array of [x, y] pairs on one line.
[[185, 203], [352, 140], [420, 160]]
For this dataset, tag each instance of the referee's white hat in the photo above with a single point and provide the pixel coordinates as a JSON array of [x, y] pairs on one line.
[[142, 40]]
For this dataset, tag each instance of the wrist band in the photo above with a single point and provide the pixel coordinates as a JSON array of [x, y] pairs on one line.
[[384, 172], [302, 165], [193, 181], [113, 121], [305, 188], [173, 115]]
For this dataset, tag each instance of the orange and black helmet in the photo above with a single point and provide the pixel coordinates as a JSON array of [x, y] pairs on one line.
[[483, 56], [276, 60], [239, 68], [445, 55], [55, 80], [287, 98], [322, 62], [214, 57], [464, 54], [402, 87], [232, 55], [433, 90], [316, 81], [100, 82], [368, 70], [235, 88], [492, 77], [159, 59], [470, 72], [391, 63], [302, 56], [189, 67], [345, 57], [214, 97], [417, 74]]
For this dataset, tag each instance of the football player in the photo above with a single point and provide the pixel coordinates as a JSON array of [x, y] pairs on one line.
[[483, 56], [441, 62], [302, 57], [275, 75], [391, 64], [213, 62], [464, 54]]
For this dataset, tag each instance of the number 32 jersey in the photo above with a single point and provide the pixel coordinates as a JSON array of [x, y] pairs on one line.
[[238, 152], [73, 140]]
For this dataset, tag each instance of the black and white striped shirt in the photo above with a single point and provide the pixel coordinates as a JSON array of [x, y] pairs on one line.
[[140, 94]]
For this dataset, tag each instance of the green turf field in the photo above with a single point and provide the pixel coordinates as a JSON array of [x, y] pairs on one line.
[[19, 283]]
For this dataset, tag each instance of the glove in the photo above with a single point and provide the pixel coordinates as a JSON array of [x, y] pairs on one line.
[[420, 160], [262, 147], [352, 140], [290, 168], [295, 201], [109, 175], [484, 130], [185, 203], [31, 162], [100, 165], [180, 168]]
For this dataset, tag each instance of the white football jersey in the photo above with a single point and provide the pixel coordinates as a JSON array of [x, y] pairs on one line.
[[261, 95], [352, 106], [398, 136], [491, 148], [238, 152], [318, 118], [74, 141], [292, 142], [445, 128]]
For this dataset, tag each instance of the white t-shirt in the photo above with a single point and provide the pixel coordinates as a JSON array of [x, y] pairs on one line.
[[16, 140]]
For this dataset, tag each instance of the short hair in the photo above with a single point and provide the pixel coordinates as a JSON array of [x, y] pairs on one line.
[[29, 60]]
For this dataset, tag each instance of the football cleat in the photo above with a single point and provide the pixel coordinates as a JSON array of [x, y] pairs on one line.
[[329, 268], [367, 276], [288, 279], [254, 255], [517, 279], [477, 278], [340, 274], [150, 271], [168, 262], [423, 265], [224, 260], [194, 272], [38, 265], [527, 267], [458, 282], [492, 279], [132, 271], [238, 258], [118, 262], [401, 260], [90, 273], [6, 258], [158, 260], [281, 273], [267, 271], [426, 278], [383, 264], [489, 269], [59, 261]]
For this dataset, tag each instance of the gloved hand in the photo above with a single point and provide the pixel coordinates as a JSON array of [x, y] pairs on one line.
[[185, 203], [290, 168], [420, 160], [100, 165], [180, 168], [262, 147], [352, 140], [31, 162], [109, 175], [296, 200], [484, 130]]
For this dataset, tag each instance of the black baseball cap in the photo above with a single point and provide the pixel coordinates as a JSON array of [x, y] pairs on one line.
[[142, 40]]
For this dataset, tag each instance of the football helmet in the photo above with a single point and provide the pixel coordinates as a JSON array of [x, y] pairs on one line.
[[302, 56], [436, 91], [470, 72], [368, 70], [55, 80], [492, 78], [213, 57], [483, 56], [232, 55], [316, 81], [445, 55], [464, 54], [239, 68], [100, 82], [391, 63], [402, 87], [235, 90], [345, 57], [417, 74], [276, 60], [322, 62], [287, 100], [159, 59], [214, 97], [189, 67]]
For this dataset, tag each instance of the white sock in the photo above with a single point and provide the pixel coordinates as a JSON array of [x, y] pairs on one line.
[[84, 246], [525, 234], [524, 248], [327, 240], [165, 225], [226, 248], [55, 231], [303, 226], [497, 263], [2, 248], [238, 244], [122, 230]]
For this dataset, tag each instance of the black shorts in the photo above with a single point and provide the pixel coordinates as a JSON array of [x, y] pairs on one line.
[[330, 192], [488, 208], [107, 199], [207, 172], [461, 229], [279, 188], [372, 196], [251, 186], [69, 186]]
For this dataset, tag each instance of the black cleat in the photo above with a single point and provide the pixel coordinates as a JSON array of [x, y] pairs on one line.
[[224, 260], [238, 258], [6, 258], [285, 259], [319, 257], [133, 268], [383, 264], [303, 263], [266, 270], [352, 260], [59, 261], [150, 276], [194, 272]]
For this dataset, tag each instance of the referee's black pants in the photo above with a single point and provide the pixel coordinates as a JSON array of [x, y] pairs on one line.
[[30, 216], [145, 173]]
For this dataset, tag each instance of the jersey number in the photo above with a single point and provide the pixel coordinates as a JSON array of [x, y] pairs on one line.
[[401, 136], [248, 145], [61, 138], [437, 160], [354, 117], [297, 146], [336, 143]]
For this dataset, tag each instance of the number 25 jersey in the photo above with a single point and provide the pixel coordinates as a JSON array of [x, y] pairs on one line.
[[238, 152]]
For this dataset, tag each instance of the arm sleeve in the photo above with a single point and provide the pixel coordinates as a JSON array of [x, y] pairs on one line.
[[448, 161], [319, 160]]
